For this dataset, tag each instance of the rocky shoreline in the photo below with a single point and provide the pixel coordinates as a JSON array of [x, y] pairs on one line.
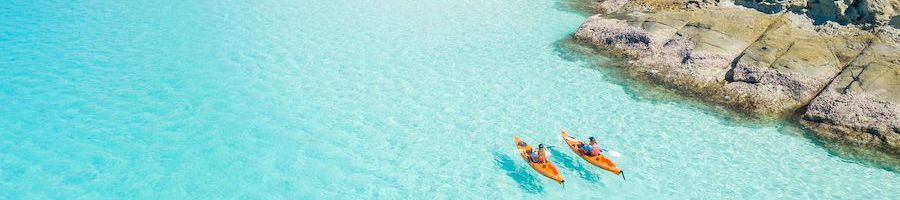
[[843, 80]]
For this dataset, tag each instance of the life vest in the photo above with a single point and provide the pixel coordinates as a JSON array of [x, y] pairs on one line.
[[585, 148], [595, 149]]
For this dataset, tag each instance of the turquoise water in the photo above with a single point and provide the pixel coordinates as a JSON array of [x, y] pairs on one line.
[[357, 99]]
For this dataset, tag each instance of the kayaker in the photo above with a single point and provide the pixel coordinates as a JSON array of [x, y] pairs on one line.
[[533, 155], [591, 149], [542, 153]]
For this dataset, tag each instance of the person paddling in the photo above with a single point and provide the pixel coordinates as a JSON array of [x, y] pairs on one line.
[[532, 155], [539, 156], [542, 153], [591, 149]]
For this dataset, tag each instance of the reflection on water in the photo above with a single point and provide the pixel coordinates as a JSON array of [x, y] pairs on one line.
[[574, 165], [518, 173]]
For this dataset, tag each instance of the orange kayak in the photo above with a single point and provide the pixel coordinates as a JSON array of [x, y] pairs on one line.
[[598, 160], [547, 169]]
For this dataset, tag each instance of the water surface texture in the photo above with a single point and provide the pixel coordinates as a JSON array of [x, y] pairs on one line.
[[357, 99]]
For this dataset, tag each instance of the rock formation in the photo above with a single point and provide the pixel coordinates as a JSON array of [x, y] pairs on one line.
[[862, 104], [845, 78], [877, 12]]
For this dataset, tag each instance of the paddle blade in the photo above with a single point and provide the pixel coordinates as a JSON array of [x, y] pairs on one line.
[[615, 153], [516, 151]]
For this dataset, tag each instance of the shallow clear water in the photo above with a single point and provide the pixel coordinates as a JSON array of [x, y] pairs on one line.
[[347, 99]]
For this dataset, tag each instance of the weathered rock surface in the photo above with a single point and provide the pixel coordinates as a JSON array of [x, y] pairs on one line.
[[758, 63], [604, 6], [862, 104], [766, 65], [854, 11], [783, 70], [877, 12], [611, 6]]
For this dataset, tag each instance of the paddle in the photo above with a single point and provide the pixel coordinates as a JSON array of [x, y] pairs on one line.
[[614, 153]]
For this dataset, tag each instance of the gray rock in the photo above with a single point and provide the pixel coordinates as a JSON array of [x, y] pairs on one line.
[[877, 12], [895, 21]]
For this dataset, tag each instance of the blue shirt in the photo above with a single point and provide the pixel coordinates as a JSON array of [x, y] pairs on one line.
[[587, 147]]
